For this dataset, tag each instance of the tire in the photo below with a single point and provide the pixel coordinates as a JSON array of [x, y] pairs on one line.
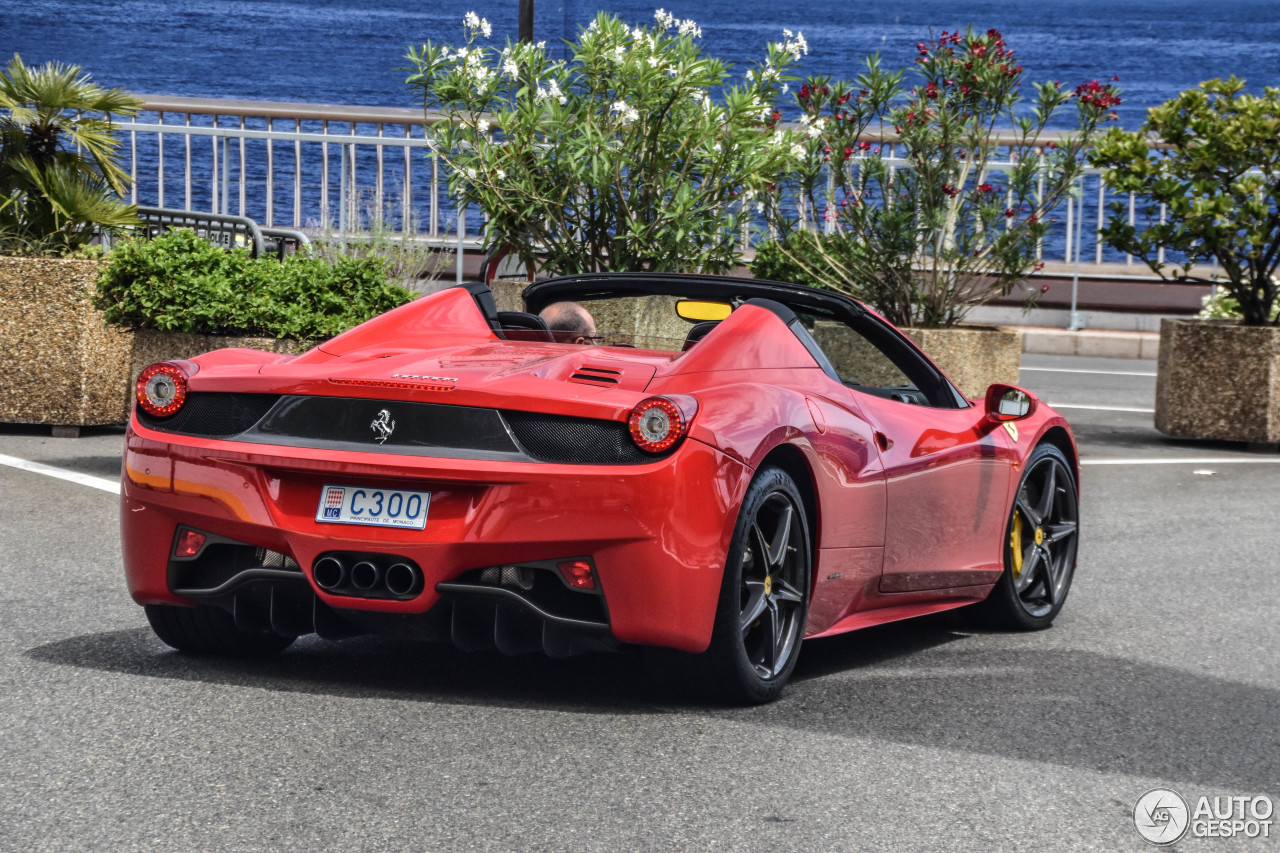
[[760, 615], [1040, 546], [204, 630]]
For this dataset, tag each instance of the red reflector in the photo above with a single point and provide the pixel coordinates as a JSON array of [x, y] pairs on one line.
[[189, 543], [577, 573]]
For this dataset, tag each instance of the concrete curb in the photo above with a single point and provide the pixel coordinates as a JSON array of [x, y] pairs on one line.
[[1098, 343]]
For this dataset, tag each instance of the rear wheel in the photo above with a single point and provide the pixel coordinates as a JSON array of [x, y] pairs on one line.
[[1040, 545], [210, 630], [764, 599]]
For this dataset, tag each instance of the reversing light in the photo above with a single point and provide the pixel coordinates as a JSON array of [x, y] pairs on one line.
[[657, 424], [577, 573], [189, 543], [162, 389]]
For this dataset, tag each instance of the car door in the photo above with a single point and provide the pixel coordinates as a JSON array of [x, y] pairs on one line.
[[947, 468]]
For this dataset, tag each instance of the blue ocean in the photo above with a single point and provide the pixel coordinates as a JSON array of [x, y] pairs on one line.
[[348, 51]]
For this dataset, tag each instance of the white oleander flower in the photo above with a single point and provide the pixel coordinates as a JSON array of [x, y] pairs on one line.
[[665, 21], [474, 22], [482, 127], [626, 113], [689, 27], [501, 174], [797, 150]]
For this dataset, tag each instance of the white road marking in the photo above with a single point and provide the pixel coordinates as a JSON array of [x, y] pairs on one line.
[[1092, 372], [89, 480], [1190, 460], [1102, 408]]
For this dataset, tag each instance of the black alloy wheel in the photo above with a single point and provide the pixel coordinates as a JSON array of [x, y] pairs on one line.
[[1040, 546], [773, 588], [764, 600]]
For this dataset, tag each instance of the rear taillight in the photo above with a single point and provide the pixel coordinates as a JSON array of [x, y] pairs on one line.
[[657, 424], [162, 388]]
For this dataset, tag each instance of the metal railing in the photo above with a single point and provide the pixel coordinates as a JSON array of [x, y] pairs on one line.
[[353, 168]]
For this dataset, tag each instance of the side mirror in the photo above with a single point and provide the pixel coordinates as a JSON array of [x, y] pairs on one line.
[[1009, 403]]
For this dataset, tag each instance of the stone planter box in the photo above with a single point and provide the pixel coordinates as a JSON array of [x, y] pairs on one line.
[[64, 366], [974, 357], [1218, 380]]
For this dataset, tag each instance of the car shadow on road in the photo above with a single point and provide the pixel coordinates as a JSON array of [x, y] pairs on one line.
[[915, 683], [431, 672]]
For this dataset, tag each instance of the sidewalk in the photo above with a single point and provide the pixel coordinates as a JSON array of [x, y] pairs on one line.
[[1102, 343]]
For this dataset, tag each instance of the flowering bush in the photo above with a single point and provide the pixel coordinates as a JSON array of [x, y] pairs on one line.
[[937, 228], [1220, 185], [618, 158]]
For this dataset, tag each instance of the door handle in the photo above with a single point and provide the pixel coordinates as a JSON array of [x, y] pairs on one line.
[[883, 441]]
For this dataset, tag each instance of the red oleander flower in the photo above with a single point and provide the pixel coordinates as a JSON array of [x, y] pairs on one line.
[[986, 188], [951, 191], [1008, 212], [864, 145]]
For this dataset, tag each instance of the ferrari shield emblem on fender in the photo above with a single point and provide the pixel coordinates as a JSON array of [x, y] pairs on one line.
[[382, 426], [1011, 428]]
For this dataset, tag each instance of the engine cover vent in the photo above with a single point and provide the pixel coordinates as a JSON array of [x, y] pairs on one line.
[[605, 376]]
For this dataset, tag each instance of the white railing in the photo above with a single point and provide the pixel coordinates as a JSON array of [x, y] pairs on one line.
[[350, 168]]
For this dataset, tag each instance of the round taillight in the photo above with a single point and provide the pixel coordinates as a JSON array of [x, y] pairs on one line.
[[656, 425], [162, 389]]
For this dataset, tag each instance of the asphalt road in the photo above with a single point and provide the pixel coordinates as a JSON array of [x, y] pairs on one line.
[[1161, 672]]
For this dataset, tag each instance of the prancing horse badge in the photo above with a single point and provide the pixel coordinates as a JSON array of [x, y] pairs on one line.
[[382, 426]]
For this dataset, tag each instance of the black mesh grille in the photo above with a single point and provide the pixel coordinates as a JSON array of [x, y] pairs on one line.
[[558, 438], [213, 414]]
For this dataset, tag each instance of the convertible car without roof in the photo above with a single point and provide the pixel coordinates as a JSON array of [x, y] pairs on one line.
[[726, 468]]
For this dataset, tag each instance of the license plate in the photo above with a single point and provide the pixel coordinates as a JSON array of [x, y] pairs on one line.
[[375, 507]]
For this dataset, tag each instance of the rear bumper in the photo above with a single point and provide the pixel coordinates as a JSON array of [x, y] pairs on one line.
[[657, 533]]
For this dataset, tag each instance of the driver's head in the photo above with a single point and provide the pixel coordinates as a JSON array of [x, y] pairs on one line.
[[569, 322]]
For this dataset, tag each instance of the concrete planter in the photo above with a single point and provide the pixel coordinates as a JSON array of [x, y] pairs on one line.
[[1218, 380], [64, 365], [974, 357]]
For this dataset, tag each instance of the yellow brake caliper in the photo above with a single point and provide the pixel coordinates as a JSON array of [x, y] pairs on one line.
[[1015, 542]]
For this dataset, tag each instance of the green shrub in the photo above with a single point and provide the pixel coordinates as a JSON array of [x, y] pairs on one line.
[[1212, 194], [637, 152], [182, 283]]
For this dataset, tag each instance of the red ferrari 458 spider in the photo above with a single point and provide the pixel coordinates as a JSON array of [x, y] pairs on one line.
[[714, 468]]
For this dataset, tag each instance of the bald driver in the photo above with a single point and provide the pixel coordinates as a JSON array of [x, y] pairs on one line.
[[569, 322]]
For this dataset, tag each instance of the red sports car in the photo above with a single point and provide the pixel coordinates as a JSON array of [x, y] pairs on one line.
[[714, 468]]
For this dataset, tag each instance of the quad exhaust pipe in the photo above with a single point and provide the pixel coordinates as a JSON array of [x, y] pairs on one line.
[[365, 576], [330, 573]]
